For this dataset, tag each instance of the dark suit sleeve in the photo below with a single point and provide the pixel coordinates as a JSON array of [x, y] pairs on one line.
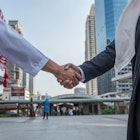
[[100, 64]]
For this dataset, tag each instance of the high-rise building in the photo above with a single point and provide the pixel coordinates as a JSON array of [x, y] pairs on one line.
[[107, 16], [16, 75], [28, 82], [113, 10], [107, 13], [31, 84], [90, 48]]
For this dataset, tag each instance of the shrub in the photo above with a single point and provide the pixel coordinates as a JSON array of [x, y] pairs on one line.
[[108, 111]]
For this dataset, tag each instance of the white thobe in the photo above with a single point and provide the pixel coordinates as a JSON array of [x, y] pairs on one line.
[[19, 51]]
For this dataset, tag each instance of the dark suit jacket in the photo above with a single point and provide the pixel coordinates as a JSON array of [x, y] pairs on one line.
[[100, 64], [105, 61]]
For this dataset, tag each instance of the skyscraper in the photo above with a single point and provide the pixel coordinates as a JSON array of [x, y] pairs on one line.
[[107, 13], [16, 75], [28, 82], [107, 16], [113, 10], [90, 48]]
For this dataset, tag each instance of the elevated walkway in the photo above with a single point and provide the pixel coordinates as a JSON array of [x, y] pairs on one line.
[[69, 98], [84, 104]]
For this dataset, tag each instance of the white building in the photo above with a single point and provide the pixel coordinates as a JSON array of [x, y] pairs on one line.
[[18, 93], [90, 49]]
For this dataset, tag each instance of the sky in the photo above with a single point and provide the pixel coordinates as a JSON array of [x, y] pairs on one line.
[[57, 29]]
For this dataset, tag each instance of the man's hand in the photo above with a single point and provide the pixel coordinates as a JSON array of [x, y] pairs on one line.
[[72, 66], [68, 83], [68, 78]]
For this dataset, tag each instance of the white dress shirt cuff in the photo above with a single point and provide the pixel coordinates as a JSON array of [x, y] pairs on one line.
[[82, 74]]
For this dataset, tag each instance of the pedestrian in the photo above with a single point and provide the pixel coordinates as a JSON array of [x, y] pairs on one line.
[[46, 108], [70, 112], [124, 49], [32, 112]]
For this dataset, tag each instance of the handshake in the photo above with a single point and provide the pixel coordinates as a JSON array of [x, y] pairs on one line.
[[69, 76]]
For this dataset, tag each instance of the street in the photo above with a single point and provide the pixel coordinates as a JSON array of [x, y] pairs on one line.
[[91, 127]]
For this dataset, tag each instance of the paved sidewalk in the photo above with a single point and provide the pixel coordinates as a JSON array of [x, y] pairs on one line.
[[99, 127]]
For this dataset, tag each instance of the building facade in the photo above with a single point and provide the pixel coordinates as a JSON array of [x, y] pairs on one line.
[[28, 82], [17, 76], [107, 13], [15, 73], [90, 48]]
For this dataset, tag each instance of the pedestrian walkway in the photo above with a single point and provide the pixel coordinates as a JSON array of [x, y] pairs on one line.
[[91, 127]]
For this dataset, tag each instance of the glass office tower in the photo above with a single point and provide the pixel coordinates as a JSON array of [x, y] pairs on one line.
[[107, 16], [113, 10], [107, 13]]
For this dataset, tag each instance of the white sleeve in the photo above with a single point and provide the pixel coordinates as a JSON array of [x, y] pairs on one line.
[[82, 74], [19, 51]]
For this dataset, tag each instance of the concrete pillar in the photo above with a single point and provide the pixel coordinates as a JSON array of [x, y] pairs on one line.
[[116, 106], [99, 108], [17, 104]]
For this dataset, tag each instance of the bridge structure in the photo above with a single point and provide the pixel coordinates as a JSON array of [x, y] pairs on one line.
[[83, 104]]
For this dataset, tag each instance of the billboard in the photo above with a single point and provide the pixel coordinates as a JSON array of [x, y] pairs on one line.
[[17, 91]]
